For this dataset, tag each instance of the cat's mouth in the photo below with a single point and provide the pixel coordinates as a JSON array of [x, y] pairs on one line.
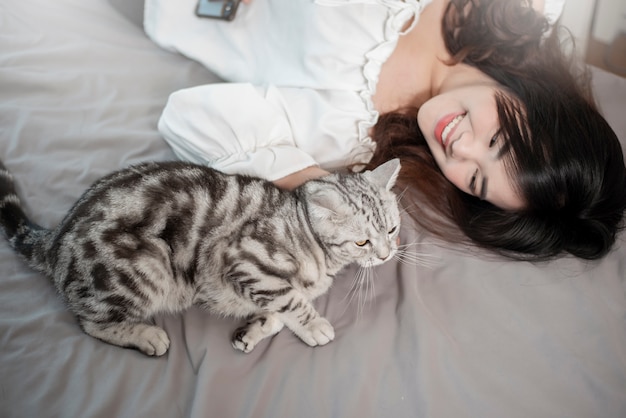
[[377, 261]]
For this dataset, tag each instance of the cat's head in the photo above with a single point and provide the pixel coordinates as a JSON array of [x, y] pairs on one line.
[[356, 216]]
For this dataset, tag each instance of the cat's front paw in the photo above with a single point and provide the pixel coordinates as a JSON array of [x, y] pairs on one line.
[[153, 341], [242, 341], [256, 329], [317, 332]]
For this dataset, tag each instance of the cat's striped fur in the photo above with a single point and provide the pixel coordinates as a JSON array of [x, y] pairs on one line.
[[161, 237]]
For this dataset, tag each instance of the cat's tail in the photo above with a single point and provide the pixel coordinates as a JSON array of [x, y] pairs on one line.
[[25, 237]]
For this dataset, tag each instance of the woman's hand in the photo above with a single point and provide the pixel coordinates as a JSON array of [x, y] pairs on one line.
[[298, 178]]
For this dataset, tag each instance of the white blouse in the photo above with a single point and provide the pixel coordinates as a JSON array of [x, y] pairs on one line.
[[301, 75]]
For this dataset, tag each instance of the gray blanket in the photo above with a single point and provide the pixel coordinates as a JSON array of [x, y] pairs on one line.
[[81, 90]]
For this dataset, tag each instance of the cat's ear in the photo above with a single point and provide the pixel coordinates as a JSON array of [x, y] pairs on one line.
[[326, 204], [386, 174]]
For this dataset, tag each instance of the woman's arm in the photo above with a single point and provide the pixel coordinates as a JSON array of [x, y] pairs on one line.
[[298, 178], [286, 135]]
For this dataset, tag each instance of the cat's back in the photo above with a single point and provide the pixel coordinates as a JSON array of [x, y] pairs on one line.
[[173, 194], [154, 180]]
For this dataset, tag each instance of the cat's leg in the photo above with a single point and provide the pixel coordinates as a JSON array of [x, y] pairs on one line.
[[257, 328], [149, 339], [301, 317], [292, 308]]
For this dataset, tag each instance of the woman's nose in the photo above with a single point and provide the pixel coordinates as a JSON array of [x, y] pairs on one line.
[[466, 147]]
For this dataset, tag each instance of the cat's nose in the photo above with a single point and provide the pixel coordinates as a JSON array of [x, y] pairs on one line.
[[383, 255]]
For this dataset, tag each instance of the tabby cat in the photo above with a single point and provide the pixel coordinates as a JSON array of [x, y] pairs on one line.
[[161, 237]]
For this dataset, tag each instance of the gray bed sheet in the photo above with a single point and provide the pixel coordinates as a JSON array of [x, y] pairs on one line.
[[81, 90]]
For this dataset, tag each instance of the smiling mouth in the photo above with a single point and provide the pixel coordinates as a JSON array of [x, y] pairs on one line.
[[446, 126]]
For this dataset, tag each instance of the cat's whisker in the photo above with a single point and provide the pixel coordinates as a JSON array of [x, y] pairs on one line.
[[400, 195], [402, 211], [405, 248], [372, 284], [407, 255], [368, 293], [359, 293], [359, 290], [411, 244], [406, 211], [417, 259], [352, 291], [362, 290]]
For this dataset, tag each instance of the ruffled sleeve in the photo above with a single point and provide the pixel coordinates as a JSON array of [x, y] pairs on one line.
[[264, 131]]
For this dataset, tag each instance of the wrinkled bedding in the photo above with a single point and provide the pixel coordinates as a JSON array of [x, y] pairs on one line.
[[457, 335]]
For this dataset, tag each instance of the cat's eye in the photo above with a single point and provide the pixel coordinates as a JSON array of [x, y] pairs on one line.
[[392, 230], [362, 243]]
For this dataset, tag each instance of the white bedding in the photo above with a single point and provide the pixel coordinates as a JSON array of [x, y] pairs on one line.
[[81, 90]]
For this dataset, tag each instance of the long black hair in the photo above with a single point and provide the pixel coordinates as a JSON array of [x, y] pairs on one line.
[[565, 159]]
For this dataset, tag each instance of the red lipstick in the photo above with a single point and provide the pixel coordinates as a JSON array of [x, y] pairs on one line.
[[441, 126]]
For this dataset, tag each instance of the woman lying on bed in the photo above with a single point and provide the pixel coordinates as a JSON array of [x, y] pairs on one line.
[[500, 141]]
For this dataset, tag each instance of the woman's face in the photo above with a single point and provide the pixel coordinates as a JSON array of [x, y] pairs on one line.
[[461, 128]]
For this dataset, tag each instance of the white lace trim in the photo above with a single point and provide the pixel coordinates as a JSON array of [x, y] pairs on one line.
[[400, 12]]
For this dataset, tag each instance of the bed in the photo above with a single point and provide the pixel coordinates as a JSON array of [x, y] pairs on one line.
[[456, 335]]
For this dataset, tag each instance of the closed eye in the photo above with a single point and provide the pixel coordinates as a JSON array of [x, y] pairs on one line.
[[472, 184], [494, 139], [483, 187], [392, 230]]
